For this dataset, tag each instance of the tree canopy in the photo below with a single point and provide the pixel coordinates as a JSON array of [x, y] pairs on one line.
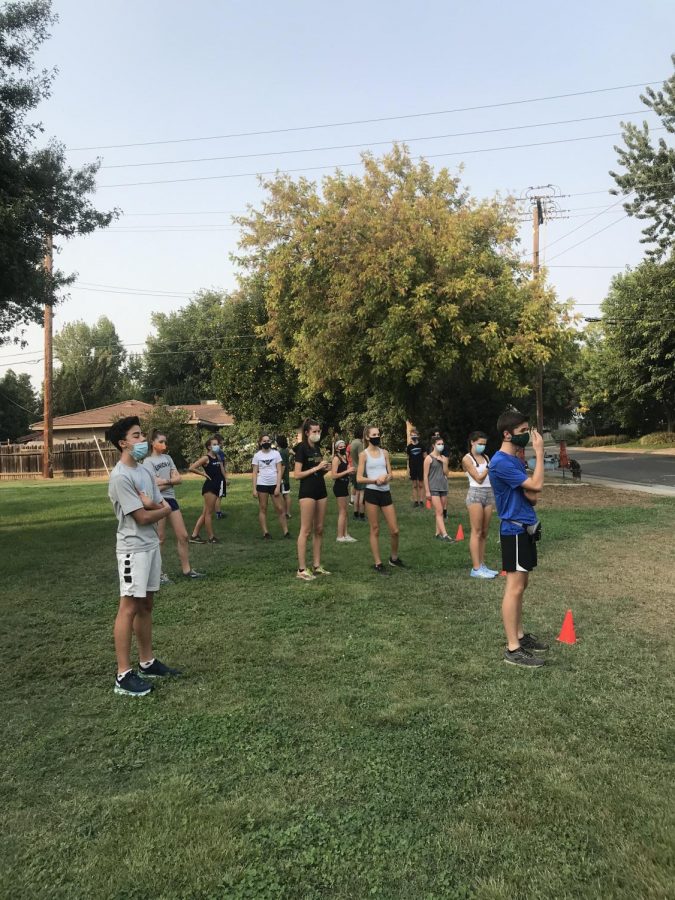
[[18, 405], [92, 366]]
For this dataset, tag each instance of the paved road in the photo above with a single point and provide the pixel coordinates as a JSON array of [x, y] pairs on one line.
[[652, 469]]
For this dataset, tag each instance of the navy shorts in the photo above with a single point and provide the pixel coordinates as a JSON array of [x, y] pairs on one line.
[[265, 488], [173, 503]]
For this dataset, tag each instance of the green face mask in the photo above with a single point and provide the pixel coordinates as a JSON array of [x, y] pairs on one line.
[[520, 440]]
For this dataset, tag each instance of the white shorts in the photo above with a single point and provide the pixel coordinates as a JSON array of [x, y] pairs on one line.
[[139, 572]]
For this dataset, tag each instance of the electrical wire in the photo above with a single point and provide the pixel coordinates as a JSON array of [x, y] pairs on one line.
[[419, 115], [583, 241]]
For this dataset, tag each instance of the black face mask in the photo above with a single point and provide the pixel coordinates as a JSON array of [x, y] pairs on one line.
[[375, 441], [266, 445]]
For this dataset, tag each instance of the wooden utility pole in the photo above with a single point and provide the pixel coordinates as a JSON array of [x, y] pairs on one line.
[[48, 438], [537, 219]]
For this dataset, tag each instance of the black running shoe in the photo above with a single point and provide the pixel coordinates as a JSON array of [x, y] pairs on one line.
[[522, 657], [158, 670], [195, 539], [193, 574], [362, 516], [530, 642], [397, 563], [267, 536], [288, 535], [381, 570], [214, 540], [357, 516], [131, 685]]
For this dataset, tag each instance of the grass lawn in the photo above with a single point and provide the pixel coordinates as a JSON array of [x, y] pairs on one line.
[[353, 737]]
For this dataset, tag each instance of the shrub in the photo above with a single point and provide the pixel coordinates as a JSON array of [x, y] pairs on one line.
[[657, 437], [605, 440], [569, 433]]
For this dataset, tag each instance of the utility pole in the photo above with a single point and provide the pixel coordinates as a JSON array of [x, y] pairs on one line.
[[48, 438], [544, 202]]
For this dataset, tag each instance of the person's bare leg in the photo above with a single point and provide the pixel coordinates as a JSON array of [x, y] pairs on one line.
[[209, 506], [281, 513], [475, 541], [487, 515], [342, 516], [262, 511], [143, 628], [122, 631], [521, 630], [389, 513], [512, 605], [287, 504], [306, 524], [317, 540], [178, 525], [437, 505], [374, 522], [200, 522]]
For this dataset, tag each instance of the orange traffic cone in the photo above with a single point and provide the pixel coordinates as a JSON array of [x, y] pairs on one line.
[[567, 634], [460, 533], [503, 572]]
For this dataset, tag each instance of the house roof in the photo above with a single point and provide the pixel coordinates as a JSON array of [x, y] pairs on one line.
[[104, 416]]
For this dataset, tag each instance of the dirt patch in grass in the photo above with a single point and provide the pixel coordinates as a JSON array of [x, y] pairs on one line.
[[587, 496]]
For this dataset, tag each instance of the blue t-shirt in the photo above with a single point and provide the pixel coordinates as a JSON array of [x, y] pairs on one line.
[[506, 477]]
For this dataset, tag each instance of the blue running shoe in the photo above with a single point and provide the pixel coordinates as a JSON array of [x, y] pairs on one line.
[[490, 572]]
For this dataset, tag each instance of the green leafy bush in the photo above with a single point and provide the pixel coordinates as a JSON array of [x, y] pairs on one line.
[[657, 438], [605, 440]]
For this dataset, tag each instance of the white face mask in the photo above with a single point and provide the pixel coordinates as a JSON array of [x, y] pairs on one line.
[[439, 448], [315, 438]]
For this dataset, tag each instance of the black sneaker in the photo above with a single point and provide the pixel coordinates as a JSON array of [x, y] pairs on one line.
[[397, 563], [522, 657], [381, 570], [267, 536], [357, 516], [193, 574], [157, 669], [195, 539], [214, 540], [288, 536], [131, 685], [362, 516], [445, 514], [530, 642]]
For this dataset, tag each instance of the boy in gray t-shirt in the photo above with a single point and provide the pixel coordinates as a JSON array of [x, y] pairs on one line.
[[138, 506]]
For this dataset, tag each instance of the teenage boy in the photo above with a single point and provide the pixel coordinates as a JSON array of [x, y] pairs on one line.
[[416, 456], [138, 506], [516, 493]]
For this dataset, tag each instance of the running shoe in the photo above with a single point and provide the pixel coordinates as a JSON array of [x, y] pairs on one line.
[[481, 573], [164, 579], [446, 538], [288, 515], [340, 540], [530, 642], [522, 657], [305, 575], [220, 515], [491, 572], [157, 669], [288, 536], [349, 539], [319, 570], [380, 569], [131, 685], [214, 540], [267, 536], [195, 539], [397, 563], [193, 574]]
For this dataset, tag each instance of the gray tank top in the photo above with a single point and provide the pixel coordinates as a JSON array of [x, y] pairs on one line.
[[376, 466], [437, 478]]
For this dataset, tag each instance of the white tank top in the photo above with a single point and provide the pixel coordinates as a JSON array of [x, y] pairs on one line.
[[375, 467], [480, 469]]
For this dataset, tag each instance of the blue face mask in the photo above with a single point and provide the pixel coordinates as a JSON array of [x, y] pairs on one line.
[[215, 448], [480, 449], [139, 451]]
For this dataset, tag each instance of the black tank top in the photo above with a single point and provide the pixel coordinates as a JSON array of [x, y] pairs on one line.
[[213, 470], [342, 465]]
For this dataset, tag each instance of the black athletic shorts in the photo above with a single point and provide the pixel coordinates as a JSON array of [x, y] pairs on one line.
[[378, 498], [341, 488], [211, 487], [519, 552], [416, 473], [313, 491], [173, 503], [265, 488]]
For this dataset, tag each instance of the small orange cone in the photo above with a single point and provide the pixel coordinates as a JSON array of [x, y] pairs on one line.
[[428, 504], [460, 533], [567, 634], [503, 572]]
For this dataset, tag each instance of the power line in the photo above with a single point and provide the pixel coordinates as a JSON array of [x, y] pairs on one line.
[[431, 137], [583, 241], [590, 137], [442, 112], [584, 224]]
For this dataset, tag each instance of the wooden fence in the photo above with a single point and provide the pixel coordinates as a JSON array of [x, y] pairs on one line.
[[72, 459]]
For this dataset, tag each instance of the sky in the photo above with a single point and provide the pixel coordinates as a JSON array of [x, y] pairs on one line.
[[152, 73]]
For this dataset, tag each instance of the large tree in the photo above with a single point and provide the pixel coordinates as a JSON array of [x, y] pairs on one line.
[[397, 286], [40, 194], [18, 405], [92, 366], [649, 176]]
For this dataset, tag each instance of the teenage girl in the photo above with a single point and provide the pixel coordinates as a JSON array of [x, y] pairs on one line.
[[436, 485], [341, 470], [310, 470], [266, 473], [163, 470], [285, 454], [480, 502], [374, 473], [213, 472]]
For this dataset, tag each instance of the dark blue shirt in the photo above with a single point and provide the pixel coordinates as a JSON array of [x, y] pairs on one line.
[[507, 475]]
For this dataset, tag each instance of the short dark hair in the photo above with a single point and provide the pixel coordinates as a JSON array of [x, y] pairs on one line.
[[358, 431], [119, 430], [509, 420], [207, 442], [282, 441]]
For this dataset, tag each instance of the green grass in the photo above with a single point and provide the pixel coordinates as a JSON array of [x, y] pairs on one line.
[[348, 738]]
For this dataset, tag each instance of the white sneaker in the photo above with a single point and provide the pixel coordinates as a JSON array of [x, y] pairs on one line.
[[305, 575], [164, 579], [340, 540], [348, 539]]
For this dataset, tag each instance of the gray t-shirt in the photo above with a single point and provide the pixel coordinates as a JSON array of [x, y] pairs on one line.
[[125, 483], [160, 467]]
